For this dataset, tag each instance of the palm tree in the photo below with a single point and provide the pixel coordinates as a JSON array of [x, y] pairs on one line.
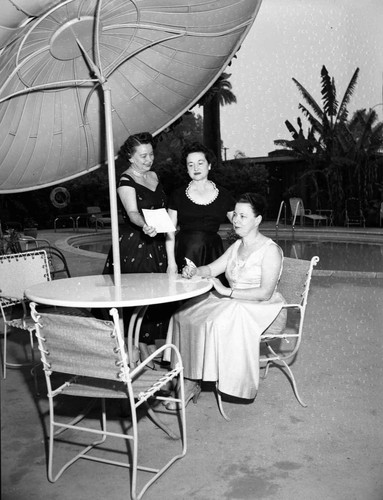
[[219, 94], [363, 148], [326, 145]]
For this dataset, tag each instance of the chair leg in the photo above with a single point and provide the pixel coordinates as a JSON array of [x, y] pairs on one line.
[[159, 422], [5, 352], [220, 406], [53, 434], [290, 372]]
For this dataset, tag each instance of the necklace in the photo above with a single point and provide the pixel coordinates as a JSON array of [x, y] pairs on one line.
[[216, 193], [137, 173]]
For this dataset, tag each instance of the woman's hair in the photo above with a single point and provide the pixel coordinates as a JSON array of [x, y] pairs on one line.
[[197, 147], [255, 200], [129, 147]]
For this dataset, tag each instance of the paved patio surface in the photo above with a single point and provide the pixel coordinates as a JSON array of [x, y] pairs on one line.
[[272, 449]]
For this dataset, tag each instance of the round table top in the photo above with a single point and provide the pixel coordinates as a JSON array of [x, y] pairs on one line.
[[99, 291]]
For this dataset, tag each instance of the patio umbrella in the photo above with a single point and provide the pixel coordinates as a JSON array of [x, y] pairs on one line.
[[81, 76]]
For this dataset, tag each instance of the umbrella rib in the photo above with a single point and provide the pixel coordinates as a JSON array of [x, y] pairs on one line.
[[178, 31]]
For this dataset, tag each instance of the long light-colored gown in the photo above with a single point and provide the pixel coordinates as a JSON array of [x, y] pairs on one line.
[[218, 337]]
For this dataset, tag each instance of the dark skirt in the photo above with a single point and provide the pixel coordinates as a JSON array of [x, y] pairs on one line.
[[142, 254], [199, 246]]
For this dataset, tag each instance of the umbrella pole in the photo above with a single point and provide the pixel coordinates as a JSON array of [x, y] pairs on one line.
[[112, 186]]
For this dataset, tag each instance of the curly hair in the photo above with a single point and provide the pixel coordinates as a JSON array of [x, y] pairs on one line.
[[197, 147], [255, 200], [129, 147]]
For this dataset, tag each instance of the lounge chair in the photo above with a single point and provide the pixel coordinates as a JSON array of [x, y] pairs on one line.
[[298, 209], [97, 218], [353, 213]]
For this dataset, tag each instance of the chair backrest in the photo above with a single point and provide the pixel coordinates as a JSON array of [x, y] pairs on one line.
[[295, 279], [93, 210], [296, 206], [353, 207], [57, 263], [80, 345], [19, 271]]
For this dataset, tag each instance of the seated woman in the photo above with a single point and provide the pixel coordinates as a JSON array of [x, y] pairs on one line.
[[218, 333]]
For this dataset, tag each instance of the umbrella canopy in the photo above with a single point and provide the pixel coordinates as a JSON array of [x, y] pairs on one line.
[[157, 57], [81, 76]]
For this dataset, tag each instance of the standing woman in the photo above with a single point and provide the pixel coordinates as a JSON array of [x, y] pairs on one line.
[[142, 250], [198, 209]]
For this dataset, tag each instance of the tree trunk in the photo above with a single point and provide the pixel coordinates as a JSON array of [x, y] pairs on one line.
[[212, 127]]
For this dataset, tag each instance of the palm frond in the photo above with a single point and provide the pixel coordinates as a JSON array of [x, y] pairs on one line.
[[310, 100], [291, 129], [316, 124], [342, 111], [330, 104]]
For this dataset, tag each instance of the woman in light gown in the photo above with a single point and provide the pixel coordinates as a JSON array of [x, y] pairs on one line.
[[218, 333]]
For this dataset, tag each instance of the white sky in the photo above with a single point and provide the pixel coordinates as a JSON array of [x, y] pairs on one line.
[[295, 38]]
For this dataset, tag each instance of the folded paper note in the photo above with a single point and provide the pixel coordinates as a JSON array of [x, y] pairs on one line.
[[159, 219]]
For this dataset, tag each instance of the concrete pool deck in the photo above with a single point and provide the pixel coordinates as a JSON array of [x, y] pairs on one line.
[[273, 448]]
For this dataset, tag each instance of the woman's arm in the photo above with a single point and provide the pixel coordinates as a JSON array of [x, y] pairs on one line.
[[214, 269], [128, 198], [170, 243]]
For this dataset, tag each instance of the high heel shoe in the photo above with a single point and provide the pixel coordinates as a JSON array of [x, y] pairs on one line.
[[191, 394]]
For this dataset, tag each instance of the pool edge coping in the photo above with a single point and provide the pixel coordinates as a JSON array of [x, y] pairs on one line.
[[66, 244]]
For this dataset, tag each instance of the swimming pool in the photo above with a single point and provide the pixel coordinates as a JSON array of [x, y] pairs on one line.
[[334, 255]]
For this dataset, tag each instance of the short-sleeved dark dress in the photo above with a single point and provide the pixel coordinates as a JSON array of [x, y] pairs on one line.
[[140, 253], [198, 238]]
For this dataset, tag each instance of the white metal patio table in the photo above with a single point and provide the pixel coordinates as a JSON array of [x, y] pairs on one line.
[[137, 290]]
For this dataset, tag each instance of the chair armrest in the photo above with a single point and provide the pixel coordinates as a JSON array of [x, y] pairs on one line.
[[143, 364]]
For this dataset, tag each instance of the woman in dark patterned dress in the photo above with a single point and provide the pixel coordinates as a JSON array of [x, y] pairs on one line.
[[142, 250], [198, 208]]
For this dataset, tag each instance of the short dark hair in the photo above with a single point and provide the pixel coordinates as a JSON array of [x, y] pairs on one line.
[[129, 147], [255, 200], [197, 147]]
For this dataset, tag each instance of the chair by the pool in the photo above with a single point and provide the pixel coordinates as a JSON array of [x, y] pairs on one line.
[[19, 271], [353, 213], [87, 358], [281, 349], [97, 218], [298, 210], [58, 264]]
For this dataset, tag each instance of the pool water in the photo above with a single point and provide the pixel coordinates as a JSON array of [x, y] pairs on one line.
[[337, 256], [333, 255]]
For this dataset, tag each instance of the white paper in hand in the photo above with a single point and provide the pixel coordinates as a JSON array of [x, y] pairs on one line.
[[159, 219]]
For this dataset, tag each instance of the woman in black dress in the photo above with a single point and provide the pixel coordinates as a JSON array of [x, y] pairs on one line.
[[142, 250], [198, 208]]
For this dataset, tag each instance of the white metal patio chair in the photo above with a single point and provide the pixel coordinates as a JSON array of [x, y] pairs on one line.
[[19, 271], [91, 356], [282, 348], [298, 210]]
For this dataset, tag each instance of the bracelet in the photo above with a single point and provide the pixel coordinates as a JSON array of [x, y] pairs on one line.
[[231, 293]]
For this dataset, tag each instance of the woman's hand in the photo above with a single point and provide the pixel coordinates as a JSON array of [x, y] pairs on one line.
[[172, 268], [149, 230], [223, 290], [189, 271]]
